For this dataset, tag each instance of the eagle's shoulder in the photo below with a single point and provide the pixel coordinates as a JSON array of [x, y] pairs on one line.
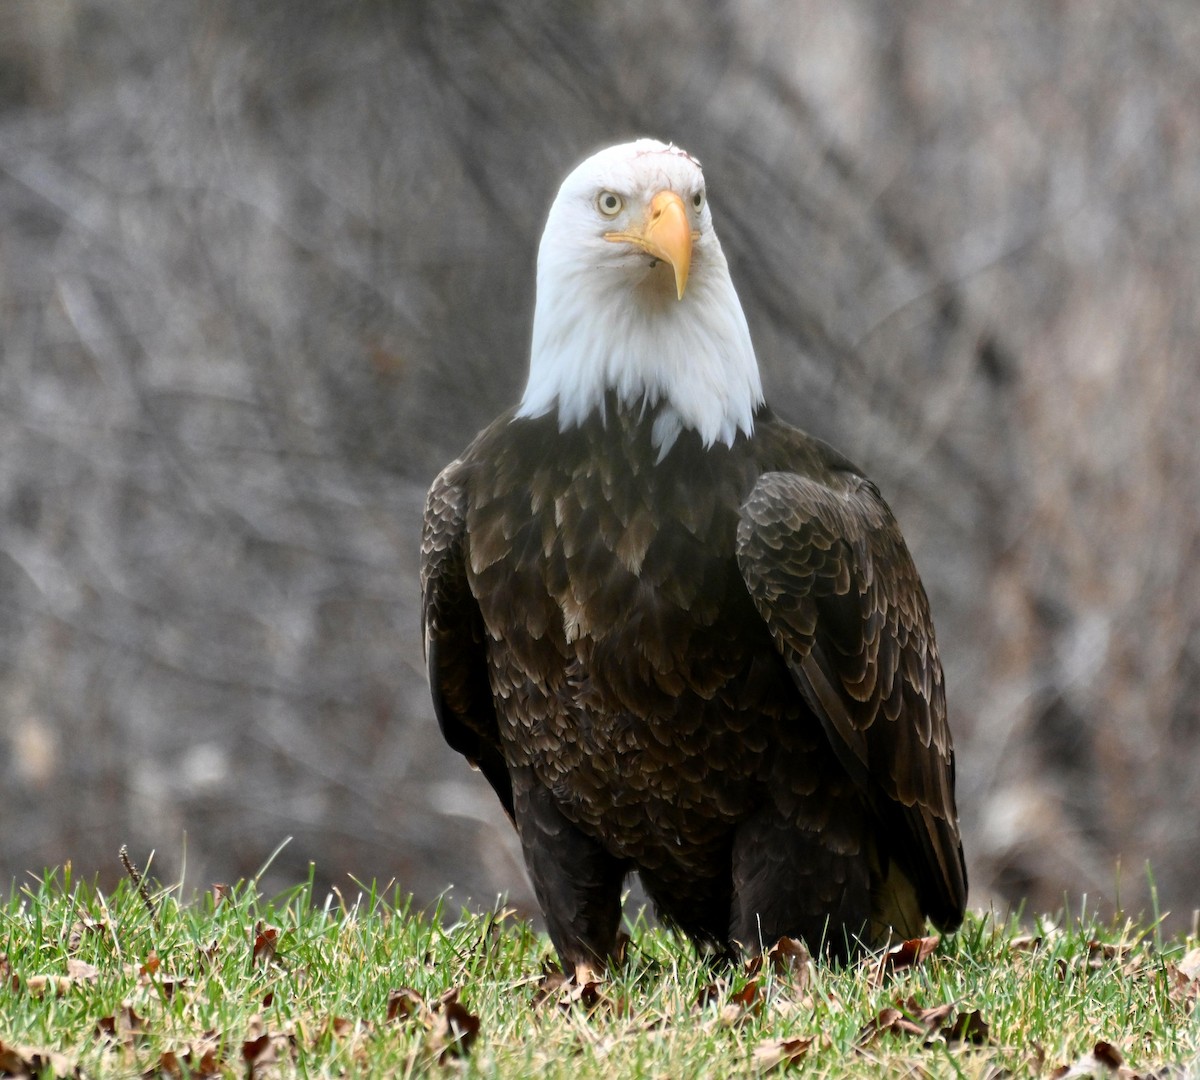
[[780, 447]]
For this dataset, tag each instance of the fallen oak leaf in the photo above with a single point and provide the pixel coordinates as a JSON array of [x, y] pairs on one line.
[[206, 1063], [403, 1003], [40, 985], [774, 1053], [206, 954], [1103, 1060], [1026, 943], [196, 1060], [742, 1006], [569, 990], [123, 1026], [338, 1027], [889, 1021], [82, 971], [266, 940], [790, 959], [788, 955], [19, 1060], [263, 1046], [80, 928], [258, 1051], [968, 1027], [188, 1064], [585, 973], [906, 954], [1189, 966], [1105, 950], [549, 986], [454, 1027], [1183, 980], [908, 1018], [931, 1019], [747, 996], [164, 982]]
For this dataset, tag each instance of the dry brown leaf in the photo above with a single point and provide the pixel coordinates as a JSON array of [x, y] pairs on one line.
[[1189, 966], [1183, 980], [1103, 1060], [208, 953], [202, 1060], [258, 1051], [83, 926], [790, 959], [266, 939], [568, 991], [454, 1027], [403, 1003], [40, 985], [264, 1047], [967, 1027], [169, 1064], [908, 1018], [747, 996], [1026, 943], [21, 1061], [82, 971], [1133, 960], [124, 1026], [788, 953], [776, 1053], [740, 1008], [549, 987], [339, 1027], [150, 975], [906, 954], [889, 1021]]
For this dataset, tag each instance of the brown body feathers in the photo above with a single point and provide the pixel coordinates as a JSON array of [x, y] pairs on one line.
[[717, 669]]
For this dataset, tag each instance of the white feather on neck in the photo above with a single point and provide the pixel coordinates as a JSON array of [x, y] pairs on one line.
[[600, 326]]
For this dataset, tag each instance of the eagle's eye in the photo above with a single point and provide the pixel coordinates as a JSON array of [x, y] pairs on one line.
[[609, 203], [698, 200]]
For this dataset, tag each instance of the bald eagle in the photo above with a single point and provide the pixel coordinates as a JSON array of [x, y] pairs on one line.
[[677, 635]]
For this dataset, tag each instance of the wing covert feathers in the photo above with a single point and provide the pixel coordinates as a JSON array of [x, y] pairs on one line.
[[830, 574]]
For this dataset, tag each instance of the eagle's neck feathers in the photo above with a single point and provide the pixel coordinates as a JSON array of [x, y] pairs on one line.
[[690, 362]]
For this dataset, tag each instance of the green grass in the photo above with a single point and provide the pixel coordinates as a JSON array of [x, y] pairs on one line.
[[101, 985]]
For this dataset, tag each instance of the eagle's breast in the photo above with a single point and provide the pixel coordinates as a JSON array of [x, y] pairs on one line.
[[629, 668]]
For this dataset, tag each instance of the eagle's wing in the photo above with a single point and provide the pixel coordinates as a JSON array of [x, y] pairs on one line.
[[454, 636], [830, 574]]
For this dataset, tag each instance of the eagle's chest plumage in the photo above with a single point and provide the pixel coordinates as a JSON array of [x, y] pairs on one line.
[[630, 670]]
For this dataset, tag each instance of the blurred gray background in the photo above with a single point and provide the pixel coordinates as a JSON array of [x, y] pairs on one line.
[[264, 268]]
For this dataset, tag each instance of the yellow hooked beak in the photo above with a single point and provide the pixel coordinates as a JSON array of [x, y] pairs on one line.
[[665, 234]]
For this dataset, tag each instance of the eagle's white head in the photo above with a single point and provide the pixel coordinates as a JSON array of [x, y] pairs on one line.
[[634, 296]]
